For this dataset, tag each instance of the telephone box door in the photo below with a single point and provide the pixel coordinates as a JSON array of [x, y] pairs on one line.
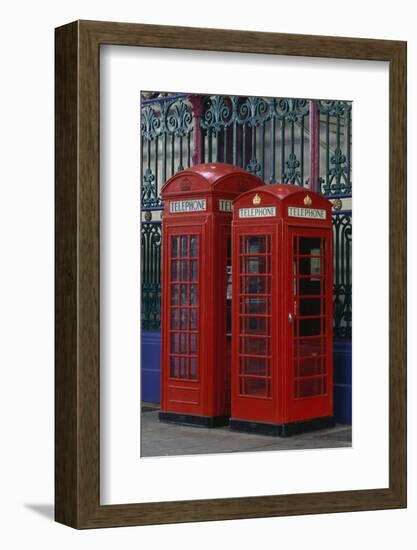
[[254, 252], [183, 388], [310, 315]]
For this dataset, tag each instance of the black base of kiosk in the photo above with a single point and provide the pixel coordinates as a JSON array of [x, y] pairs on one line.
[[282, 430], [192, 420]]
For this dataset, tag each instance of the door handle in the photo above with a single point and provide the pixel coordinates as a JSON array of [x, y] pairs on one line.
[[290, 318]]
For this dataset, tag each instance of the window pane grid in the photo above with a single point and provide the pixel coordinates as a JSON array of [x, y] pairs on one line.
[[310, 317], [255, 314], [184, 307]]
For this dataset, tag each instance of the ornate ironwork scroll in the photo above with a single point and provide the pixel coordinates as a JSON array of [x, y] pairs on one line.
[[166, 133], [269, 137], [335, 141], [266, 136], [151, 241], [342, 287]]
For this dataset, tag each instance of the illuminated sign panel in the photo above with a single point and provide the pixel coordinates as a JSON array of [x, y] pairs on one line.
[[311, 213], [193, 205], [258, 212]]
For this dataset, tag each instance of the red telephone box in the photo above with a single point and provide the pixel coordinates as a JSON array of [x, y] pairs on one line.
[[196, 303], [282, 312]]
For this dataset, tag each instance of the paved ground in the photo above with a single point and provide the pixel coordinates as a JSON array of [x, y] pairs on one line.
[[161, 439]]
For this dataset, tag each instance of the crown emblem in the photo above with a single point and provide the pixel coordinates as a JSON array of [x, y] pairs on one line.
[[185, 184], [256, 199], [307, 200], [337, 204]]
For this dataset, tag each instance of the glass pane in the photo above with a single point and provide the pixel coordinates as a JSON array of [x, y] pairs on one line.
[[255, 325], [174, 247], [249, 304], [308, 346], [174, 318], [194, 246], [184, 342], [255, 366], [183, 367], [193, 343], [253, 386], [255, 285], [194, 295], [255, 346], [315, 265], [308, 244], [309, 286], [184, 270], [184, 319], [174, 342], [174, 370], [256, 245], [309, 327], [174, 294], [184, 295], [193, 270], [193, 368], [309, 306], [193, 319], [310, 266], [310, 367], [184, 245], [255, 264], [310, 386], [174, 271]]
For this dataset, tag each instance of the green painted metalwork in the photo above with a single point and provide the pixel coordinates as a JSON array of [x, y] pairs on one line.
[[294, 112], [166, 133], [269, 137], [251, 123], [151, 129], [151, 244], [342, 287], [335, 123]]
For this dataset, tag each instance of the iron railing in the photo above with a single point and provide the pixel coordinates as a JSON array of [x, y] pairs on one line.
[[166, 134], [295, 141]]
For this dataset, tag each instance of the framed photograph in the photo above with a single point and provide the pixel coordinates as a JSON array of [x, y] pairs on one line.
[[230, 274]]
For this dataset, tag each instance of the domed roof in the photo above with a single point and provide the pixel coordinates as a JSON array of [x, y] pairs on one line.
[[214, 171], [211, 177], [282, 191]]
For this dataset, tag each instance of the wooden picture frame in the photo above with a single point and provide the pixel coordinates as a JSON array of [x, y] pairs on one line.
[[77, 405]]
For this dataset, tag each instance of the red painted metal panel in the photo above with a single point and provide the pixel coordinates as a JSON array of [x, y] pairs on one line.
[[196, 265], [282, 354]]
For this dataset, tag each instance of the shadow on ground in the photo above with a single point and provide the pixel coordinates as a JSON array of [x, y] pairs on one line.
[[45, 510]]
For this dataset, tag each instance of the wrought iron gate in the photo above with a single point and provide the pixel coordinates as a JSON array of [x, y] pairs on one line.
[[296, 141]]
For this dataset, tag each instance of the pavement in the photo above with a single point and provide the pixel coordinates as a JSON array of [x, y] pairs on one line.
[[162, 439]]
